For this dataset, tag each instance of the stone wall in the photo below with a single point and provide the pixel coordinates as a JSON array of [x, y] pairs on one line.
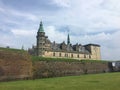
[[60, 68], [14, 65], [18, 65]]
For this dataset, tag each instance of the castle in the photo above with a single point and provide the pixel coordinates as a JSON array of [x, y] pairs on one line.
[[46, 48]]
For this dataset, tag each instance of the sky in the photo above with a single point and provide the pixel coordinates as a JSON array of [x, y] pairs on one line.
[[87, 21]]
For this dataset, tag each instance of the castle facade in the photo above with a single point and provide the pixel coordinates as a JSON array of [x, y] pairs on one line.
[[46, 48]]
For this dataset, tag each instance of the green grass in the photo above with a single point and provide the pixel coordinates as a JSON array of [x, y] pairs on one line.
[[36, 58], [107, 81], [11, 49]]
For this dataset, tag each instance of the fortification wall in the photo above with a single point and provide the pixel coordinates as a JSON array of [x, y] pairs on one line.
[[60, 68], [14, 65], [18, 65]]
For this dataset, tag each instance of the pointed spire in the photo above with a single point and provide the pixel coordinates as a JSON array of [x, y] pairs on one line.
[[41, 29], [68, 39]]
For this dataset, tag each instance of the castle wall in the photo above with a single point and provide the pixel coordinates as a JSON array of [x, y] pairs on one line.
[[67, 55], [95, 51]]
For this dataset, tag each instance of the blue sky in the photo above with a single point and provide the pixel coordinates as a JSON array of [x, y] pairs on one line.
[[88, 21]]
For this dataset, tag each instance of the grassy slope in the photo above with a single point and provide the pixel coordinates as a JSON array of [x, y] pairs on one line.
[[36, 58], [12, 50], [107, 81]]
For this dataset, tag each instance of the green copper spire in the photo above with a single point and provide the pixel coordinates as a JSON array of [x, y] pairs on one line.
[[68, 39], [41, 29]]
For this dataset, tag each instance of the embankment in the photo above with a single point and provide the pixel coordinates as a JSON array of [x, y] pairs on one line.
[[14, 64]]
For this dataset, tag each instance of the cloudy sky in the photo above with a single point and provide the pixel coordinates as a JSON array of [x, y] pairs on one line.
[[88, 21]]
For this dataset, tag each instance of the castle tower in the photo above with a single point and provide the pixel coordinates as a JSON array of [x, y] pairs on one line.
[[94, 49], [40, 40]]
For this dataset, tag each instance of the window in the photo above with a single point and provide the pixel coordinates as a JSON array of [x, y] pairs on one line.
[[71, 55], [59, 54], [89, 56], [66, 55], [54, 54]]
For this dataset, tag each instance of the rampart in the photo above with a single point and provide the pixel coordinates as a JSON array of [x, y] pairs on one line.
[[18, 65], [62, 68], [14, 65]]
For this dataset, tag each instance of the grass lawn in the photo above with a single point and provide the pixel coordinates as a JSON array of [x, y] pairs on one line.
[[107, 81]]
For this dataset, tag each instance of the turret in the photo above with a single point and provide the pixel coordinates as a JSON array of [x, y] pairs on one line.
[[41, 29], [40, 40]]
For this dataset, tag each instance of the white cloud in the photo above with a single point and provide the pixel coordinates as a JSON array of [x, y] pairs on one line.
[[12, 12], [62, 3], [55, 35], [20, 32], [1, 9], [23, 14], [5, 41], [110, 53], [113, 5], [18, 38], [89, 15]]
